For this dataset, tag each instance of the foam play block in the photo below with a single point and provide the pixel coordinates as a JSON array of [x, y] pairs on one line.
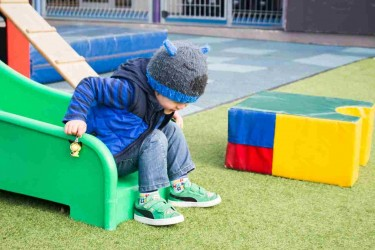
[[249, 158], [314, 138]]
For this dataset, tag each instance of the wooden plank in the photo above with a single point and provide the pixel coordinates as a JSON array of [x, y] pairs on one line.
[[72, 67], [71, 60], [24, 16], [52, 29], [14, 1], [52, 46], [75, 72]]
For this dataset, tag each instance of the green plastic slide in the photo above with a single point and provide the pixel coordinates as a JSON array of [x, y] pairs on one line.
[[35, 157]]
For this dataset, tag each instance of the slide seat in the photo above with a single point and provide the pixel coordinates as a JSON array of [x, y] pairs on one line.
[[35, 157]]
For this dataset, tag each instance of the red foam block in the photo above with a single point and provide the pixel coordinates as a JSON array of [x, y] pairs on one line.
[[249, 158]]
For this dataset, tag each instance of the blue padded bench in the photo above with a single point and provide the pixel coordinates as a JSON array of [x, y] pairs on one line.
[[104, 47]]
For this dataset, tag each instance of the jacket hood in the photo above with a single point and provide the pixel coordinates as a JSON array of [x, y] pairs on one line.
[[134, 71]]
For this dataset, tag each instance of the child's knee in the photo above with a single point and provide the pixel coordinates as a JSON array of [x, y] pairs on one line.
[[172, 129], [174, 126], [158, 137]]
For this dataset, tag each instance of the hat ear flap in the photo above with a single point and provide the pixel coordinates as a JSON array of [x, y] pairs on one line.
[[205, 49], [169, 46]]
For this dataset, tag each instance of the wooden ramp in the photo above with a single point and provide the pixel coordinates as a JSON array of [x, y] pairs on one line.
[[72, 67]]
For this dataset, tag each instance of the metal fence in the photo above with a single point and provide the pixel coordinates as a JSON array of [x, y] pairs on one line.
[[235, 12], [200, 11], [257, 12], [222, 12], [127, 10]]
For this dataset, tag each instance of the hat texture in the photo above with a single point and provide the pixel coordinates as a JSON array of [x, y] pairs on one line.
[[178, 71]]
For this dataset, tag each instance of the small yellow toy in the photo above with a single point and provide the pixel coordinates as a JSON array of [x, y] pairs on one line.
[[75, 147]]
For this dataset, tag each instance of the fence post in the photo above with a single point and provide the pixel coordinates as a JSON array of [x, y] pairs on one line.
[[284, 17], [156, 11], [229, 7], [162, 8], [43, 5], [36, 5], [150, 10], [40, 6]]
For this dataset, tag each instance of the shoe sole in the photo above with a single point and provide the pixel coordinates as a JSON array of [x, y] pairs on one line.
[[159, 222], [195, 204]]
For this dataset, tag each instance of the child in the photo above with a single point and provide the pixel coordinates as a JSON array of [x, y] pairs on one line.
[[131, 112]]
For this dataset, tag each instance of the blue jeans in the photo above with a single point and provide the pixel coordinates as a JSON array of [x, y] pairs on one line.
[[162, 157]]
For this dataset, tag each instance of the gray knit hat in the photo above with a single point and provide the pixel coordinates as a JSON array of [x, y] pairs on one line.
[[178, 71]]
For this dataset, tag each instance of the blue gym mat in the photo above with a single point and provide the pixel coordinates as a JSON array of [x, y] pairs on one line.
[[239, 67], [104, 47]]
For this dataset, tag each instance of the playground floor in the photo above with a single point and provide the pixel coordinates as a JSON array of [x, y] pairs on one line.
[[241, 67], [258, 211]]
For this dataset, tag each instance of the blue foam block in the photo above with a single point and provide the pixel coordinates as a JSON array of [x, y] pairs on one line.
[[104, 48], [253, 128]]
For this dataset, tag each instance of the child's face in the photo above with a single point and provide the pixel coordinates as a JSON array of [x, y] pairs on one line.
[[169, 105]]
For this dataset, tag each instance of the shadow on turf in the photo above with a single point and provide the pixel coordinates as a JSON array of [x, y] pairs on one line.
[[15, 199]]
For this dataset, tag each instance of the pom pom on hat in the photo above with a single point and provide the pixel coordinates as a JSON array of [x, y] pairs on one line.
[[205, 49], [178, 71]]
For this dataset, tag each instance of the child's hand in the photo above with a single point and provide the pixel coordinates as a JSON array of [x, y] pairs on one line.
[[178, 119], [75, 127]]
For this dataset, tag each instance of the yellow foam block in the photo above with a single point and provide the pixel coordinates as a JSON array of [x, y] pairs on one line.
[[318, 150], [367, 115]]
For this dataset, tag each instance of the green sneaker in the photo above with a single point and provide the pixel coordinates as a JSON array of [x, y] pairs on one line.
[[156, 211], [193, 195]]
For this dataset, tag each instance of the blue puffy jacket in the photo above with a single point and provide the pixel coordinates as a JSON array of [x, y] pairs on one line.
[[121, 110]]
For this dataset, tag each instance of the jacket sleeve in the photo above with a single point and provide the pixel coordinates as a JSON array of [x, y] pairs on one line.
[[111, 92]]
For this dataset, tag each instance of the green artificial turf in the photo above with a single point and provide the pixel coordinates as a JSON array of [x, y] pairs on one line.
[[257, 212]]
